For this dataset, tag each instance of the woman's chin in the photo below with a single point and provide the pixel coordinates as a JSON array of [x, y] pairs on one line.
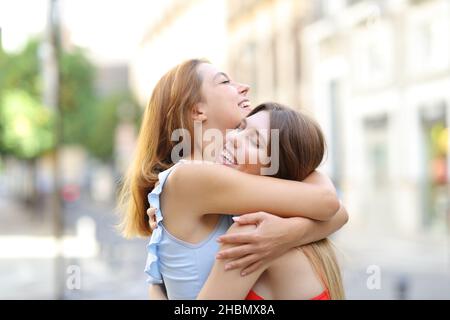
[[250, 169]]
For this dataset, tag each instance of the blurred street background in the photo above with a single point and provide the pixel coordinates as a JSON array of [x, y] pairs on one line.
[[75, 77]]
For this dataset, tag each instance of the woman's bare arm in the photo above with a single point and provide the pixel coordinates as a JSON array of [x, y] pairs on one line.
[[273, 237], [157, 292], [312, 231], [226, 281], [228, 191], [229, 285]]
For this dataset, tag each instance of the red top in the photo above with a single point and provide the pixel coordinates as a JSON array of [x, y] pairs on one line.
[[323, 296]]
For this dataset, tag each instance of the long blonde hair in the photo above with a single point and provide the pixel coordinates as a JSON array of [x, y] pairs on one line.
[[169, 108], [323, 259], [302, 148]]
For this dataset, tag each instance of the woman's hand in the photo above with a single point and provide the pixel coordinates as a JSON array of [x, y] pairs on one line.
[[268, 241], [274, 236], [155, 291], [151, 212]]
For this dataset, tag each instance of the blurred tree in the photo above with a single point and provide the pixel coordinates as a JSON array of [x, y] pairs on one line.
[[87, 120], [17, 71], [77, 97], [27, 127], [19, 105], [104, 120], [21, 70], [26, 132]]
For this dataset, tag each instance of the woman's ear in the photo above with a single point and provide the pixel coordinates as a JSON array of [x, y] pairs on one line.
[[199, 112]]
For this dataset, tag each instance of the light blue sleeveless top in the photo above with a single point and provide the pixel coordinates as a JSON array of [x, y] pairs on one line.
[[182, 266]]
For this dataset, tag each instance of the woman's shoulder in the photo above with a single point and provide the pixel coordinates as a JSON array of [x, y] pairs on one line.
[[196, 184], [193, 171], [174, 170]]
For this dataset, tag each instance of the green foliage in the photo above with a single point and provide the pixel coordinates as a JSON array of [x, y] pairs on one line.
[[21, 70], [103, 122], [77, 96], [86, 119], [27, 127]]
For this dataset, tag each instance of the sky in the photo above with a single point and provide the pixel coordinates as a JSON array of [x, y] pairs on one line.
[[109, 30]]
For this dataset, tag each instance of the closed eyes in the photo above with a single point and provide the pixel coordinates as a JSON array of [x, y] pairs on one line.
[[224, 76]]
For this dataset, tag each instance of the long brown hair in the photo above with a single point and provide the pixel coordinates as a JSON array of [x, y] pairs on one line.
[[302, 148], [169, 108]]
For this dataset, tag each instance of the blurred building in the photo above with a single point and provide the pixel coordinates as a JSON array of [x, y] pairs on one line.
[[111, 79], [184, 29], [377, 74], [265, 47]]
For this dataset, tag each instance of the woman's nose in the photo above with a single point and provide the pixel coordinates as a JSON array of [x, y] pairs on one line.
[[243, 89]]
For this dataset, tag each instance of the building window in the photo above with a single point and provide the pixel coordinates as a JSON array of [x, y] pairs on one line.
[[377, 152], [373, 53], [274, 62], [418, 2], [353, 2], [378, 186], [435, 181], [428, 44], [296, 32], [250, 61], [336, 145], [324, 8]]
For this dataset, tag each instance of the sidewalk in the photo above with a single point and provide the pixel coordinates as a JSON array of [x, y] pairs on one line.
[[408, 268]]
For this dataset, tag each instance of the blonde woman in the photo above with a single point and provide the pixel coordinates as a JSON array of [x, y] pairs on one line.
[[307, 272], [197, 91]]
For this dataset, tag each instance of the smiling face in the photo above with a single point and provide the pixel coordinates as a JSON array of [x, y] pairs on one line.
[[277, 141], [225, 101], [248, 144]]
